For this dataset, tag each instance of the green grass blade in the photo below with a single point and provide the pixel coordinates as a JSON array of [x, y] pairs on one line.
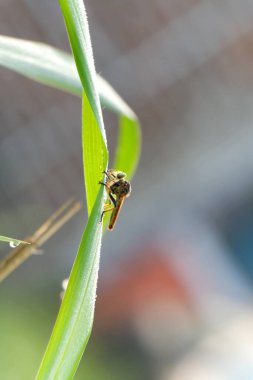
[[41, 63], [95, 156], [74, 321], [55, 68], [77, 26], [112, 100], [13, 242], [94, 139], [129, 145]]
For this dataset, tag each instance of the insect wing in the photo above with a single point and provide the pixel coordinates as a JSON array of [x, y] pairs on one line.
[[115, 212]]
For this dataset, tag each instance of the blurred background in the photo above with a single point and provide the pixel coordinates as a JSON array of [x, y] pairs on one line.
[[176, 277]]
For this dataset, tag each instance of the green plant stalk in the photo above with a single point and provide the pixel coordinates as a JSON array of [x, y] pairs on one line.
[[74, 322], [77, 26], [128, 146]]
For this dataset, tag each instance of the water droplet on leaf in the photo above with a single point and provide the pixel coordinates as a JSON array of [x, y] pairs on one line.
[[14, 244]]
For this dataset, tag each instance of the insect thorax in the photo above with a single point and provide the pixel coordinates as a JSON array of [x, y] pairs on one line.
[[121, 188]]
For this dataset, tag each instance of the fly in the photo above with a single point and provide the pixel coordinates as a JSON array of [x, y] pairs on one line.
[[118, 190]]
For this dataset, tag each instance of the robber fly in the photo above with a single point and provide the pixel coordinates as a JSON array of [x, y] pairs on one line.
[[118, 189]]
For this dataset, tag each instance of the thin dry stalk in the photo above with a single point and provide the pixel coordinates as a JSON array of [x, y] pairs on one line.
[[21, 253]]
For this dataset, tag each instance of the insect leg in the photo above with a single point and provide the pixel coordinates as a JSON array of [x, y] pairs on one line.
[[106, 174], [110, 175], [108, 208], [104, 184], [112, 199]]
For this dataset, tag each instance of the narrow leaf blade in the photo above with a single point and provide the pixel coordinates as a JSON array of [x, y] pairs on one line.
[[74, 322], [55, 68], [41, 63], [129, 145], [12, 242], [95, 155], [77, 26]]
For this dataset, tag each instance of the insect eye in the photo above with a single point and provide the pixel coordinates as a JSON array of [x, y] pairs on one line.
[[121, 175]]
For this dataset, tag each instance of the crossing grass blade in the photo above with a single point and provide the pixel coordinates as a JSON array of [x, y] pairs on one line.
[[56, 68], [129, 145]]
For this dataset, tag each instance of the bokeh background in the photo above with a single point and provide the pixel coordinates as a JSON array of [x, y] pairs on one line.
[[175, 286]]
